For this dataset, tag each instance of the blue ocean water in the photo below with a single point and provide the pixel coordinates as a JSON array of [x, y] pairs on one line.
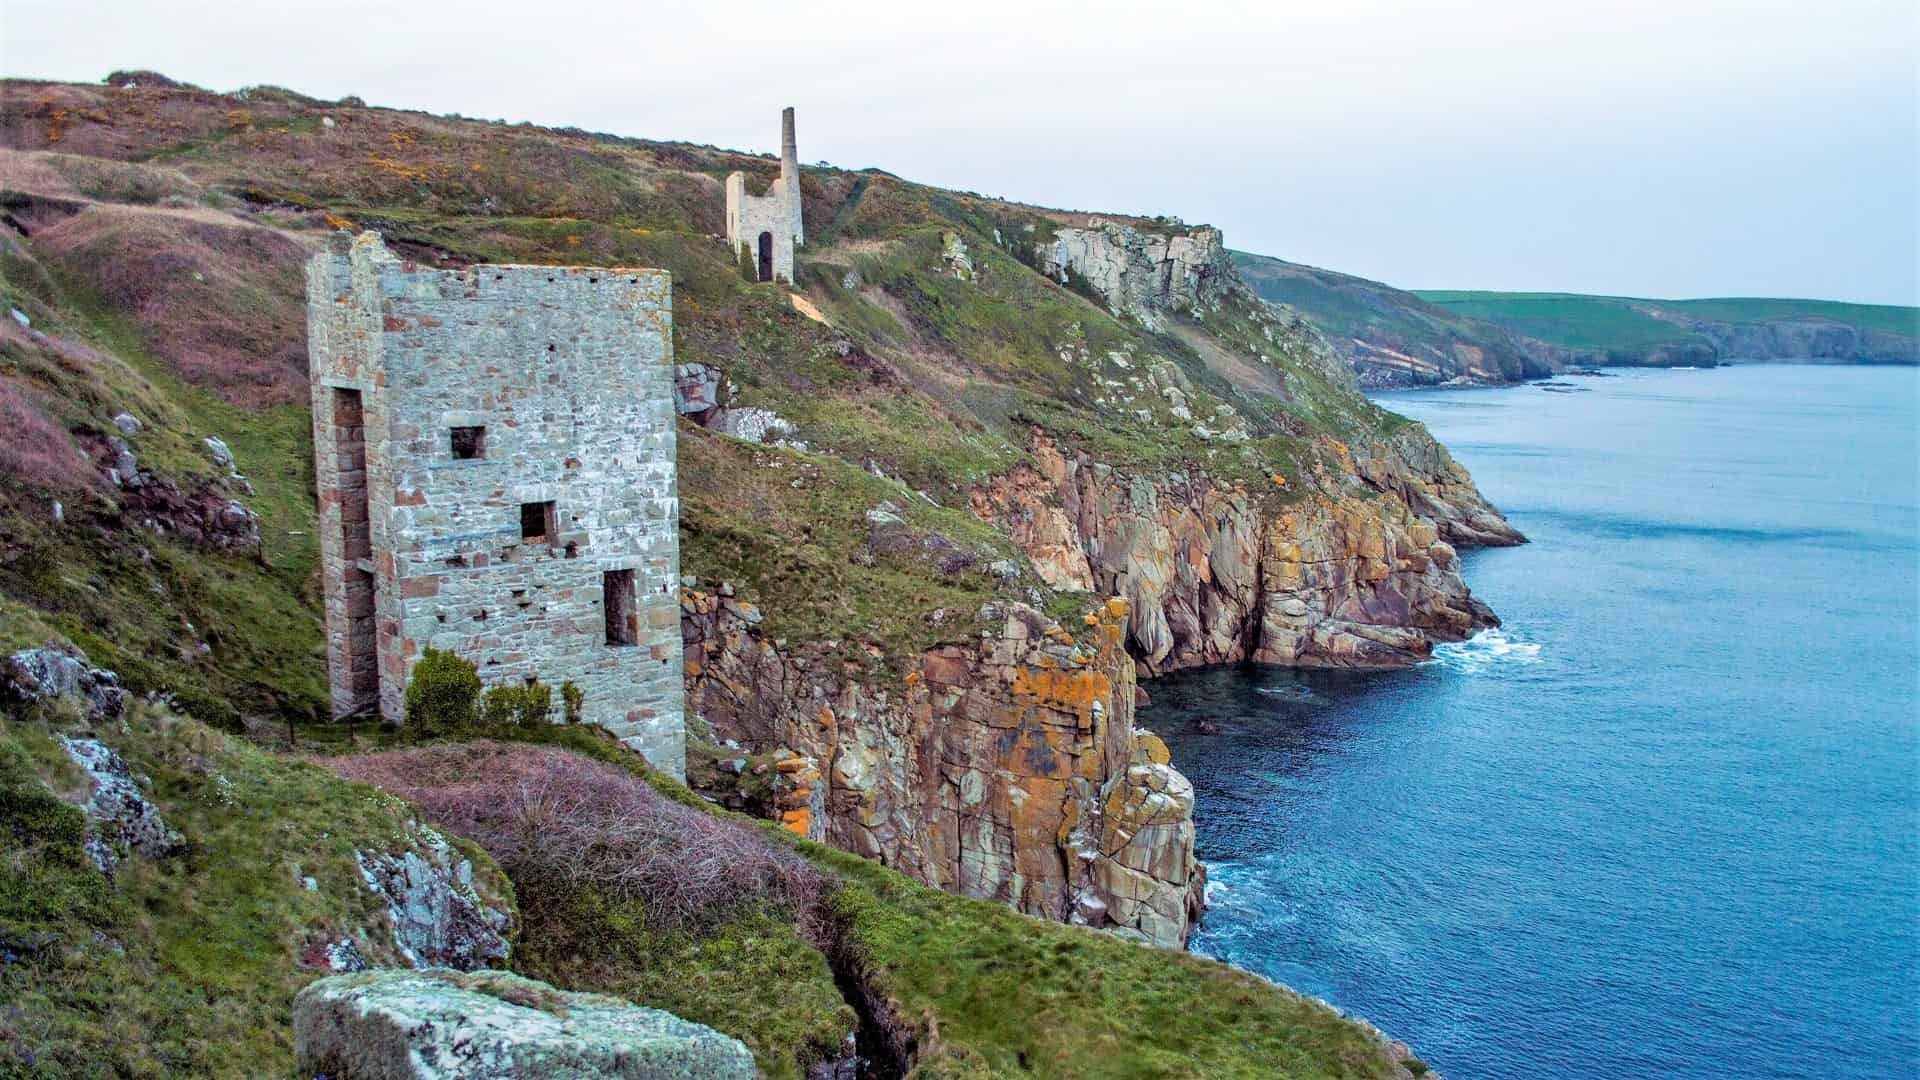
[[1667, 822]]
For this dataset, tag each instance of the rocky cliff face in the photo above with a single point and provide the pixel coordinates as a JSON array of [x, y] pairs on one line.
[[1007, 768], [1804, 339], [1004, 763], [1141, 274], [1216, 573]]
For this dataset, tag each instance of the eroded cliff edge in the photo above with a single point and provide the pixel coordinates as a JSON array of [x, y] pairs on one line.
[[965, 408], [1004, 764]]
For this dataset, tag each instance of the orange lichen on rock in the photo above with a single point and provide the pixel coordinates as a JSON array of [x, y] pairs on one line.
[[1073, 692]]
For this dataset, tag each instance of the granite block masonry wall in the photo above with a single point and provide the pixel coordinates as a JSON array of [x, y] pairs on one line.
[[567, 373]]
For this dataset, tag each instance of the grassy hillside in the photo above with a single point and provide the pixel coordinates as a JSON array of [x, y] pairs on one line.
[[1390, 336], [157, 238], [1625, 328], [152, 250], [187, 966], [1396, 337]]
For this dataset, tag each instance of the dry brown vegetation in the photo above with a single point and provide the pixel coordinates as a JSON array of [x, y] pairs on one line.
[[35, 450], [215, 300], [554, 818]]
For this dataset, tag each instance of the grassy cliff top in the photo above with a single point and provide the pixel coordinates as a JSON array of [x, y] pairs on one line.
[[1602, 322]]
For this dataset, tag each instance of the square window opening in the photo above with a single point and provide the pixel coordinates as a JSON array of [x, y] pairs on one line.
[[621, 607], [538, 522], [469, 443]]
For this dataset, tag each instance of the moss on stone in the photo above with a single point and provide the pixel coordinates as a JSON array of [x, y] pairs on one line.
[[184, 966]]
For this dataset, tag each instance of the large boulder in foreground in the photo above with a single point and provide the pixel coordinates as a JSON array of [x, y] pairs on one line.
[[435, 1023]]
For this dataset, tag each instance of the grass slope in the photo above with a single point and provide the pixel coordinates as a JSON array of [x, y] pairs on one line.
[[188, 966], [1624, 323], [982, 990], [158, 232], [1378, 326]]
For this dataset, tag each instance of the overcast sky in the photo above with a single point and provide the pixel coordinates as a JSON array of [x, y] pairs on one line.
[[1666, 148]]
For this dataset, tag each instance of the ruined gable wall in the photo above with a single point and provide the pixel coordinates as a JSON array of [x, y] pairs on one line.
[[750, 215]]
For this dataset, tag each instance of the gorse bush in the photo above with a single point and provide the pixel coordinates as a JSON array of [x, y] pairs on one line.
[[444, 697], [574, 700], [442, 694], [529, 704], [560, 822]]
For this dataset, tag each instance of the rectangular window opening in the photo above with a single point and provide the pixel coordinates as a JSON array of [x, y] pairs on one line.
[[469, 443], [623, 620], [537, 522]]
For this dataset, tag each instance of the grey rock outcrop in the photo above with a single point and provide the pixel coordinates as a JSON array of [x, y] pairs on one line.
[[1142, 274], [696, 390], [120, 820], [440, 919], [443, 1025], [51, 672], [751, 424], [222, 454]]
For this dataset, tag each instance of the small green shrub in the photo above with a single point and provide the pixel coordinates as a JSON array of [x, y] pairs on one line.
[[1416, 1066], [509, 706], [575, 700], [749, 266], [442, 693]]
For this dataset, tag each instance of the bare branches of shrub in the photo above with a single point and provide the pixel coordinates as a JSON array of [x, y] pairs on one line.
[[557, 818]]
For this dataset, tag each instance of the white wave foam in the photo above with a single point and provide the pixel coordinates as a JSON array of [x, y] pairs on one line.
[[1483, 650]]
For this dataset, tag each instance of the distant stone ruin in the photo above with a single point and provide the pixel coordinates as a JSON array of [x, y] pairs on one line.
[[494, 453], [765, 228]]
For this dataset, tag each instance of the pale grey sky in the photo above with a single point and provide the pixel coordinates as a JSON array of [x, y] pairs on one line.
[[1646, 147]]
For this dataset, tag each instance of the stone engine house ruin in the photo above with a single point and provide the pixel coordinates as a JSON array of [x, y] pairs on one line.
[[765, 228], [494, 454]]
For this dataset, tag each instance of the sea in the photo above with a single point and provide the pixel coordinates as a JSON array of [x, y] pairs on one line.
[[1663, 822]]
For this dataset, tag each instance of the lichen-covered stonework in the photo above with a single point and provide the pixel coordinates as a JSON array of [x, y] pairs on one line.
[[1006, 768], [568, 374]]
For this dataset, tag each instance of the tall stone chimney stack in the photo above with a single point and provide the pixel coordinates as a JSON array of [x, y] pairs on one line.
[[790, 172], [763, 230]]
